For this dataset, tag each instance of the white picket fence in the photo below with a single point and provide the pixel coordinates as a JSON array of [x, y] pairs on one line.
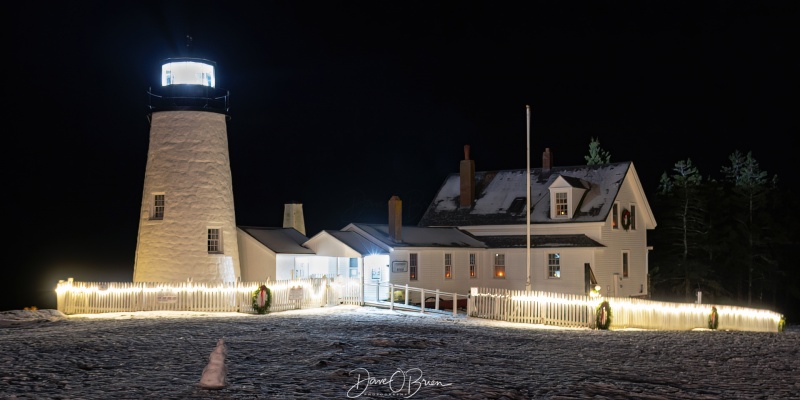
[[570, 310], [534, 307], [104, 297], [531, 307]]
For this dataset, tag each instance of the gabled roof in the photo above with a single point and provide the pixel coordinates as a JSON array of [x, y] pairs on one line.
[[540, 241], [358, 243], [413, 236], [279, 240], [495, 191]]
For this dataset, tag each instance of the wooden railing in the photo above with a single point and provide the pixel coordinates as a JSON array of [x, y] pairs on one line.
[[569, 310], [383, 294], [103, 297]]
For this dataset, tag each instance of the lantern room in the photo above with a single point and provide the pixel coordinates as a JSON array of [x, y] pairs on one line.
[[188, 71]]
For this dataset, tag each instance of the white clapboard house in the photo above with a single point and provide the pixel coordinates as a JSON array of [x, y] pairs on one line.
[[588, 228]]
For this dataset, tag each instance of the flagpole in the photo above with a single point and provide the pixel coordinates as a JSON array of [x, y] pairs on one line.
[[528, 204]]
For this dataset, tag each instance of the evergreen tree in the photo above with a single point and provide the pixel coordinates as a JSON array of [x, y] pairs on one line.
[[682, 247], [750, 189], [597, 155]]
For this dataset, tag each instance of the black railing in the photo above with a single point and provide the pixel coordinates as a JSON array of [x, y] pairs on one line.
[[188, 97]]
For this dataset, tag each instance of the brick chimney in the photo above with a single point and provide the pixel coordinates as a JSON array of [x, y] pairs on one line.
[[467, 174], [395, 219], [547, 159], [293, 217]]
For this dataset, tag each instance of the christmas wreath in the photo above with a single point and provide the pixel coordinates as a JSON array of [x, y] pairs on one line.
[[262, 299], [626, 219], [713, 319], [603, 316]]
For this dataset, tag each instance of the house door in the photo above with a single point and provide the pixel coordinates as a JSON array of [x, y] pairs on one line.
[[382, 279], [589, 281], [616, 283]]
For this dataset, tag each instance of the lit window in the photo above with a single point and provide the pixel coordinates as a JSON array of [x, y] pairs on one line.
[[500, 266], [554, 265], [473, 267], [625, 257], [615, 216], [561, 204], [633, 216], [412, 266], [158, 206], [353, 267], [214, 240], [448, 266]]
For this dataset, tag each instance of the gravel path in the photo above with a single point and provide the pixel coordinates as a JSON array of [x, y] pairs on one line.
[[323, 353]]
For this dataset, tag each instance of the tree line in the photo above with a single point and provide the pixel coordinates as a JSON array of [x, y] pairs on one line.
[[729, 234]]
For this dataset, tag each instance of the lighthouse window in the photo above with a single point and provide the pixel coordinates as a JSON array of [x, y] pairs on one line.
[[158, 206], [214, 240]]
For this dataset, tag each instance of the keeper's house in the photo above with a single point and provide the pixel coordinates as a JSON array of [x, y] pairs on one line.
[[588, 228]]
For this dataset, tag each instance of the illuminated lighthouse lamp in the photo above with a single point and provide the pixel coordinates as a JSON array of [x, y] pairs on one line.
[[188, 72], [188, 84]]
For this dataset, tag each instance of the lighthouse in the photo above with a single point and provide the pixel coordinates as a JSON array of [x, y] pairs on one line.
[[187, 226]]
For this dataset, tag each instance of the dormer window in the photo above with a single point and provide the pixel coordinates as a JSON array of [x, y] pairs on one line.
[[566, 193], [562, 209]]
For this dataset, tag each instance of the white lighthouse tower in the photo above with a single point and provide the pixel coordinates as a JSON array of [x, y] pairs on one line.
[[187, 229]]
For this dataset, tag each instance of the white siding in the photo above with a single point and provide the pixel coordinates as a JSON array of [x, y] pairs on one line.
[[257, 262], [609, 259]]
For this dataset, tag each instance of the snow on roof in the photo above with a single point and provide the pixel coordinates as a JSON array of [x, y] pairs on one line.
[[496, 190], [279, 240]]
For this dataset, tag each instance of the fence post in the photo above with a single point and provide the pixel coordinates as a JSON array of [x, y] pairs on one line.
[[406, 294], [236, 294], [473, 291], [391, 297], [455, 304], [436, 303], [60, 296], [141, 290]]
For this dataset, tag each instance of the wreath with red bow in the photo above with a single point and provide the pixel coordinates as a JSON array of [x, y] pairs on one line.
[[626, 219], [713, 319], [262, 299], [603, 316]]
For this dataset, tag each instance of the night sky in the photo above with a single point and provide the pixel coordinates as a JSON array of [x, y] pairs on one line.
[[340, 105]]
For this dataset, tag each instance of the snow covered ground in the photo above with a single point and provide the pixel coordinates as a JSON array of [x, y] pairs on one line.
[[363, 352]]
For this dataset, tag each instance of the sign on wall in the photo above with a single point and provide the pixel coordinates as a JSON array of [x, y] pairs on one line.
[[399, 266]]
